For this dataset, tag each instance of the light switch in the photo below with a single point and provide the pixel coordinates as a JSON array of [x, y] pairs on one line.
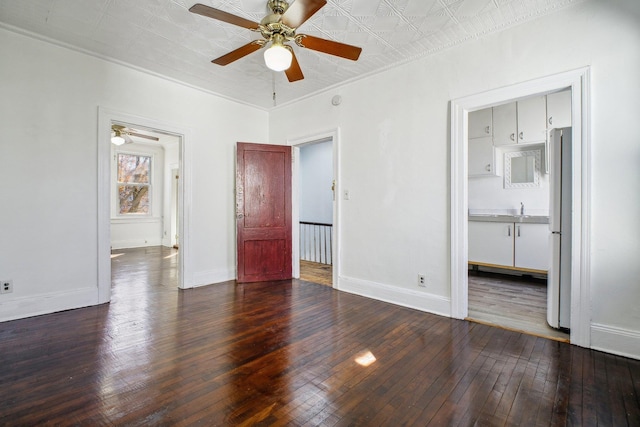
[[345, 194]]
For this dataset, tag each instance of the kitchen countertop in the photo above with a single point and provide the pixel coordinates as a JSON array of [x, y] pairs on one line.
[[527, 219]]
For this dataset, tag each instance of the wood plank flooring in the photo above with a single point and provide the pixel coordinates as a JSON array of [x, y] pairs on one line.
[[283, 354], [316, 272], [518, 303]]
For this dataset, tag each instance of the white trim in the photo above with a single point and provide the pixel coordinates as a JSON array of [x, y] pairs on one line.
[[296, 143], [135, 243], [422, 301], [35, 305], [129, 219], [106, 117], [610, 339], [205, 278], [578, 80]]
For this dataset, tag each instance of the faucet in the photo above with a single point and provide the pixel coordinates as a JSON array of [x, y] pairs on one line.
[[521, 209]]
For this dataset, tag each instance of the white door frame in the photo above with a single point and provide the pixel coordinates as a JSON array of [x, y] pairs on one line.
[[296, 143], [107, 116], [579, 82]]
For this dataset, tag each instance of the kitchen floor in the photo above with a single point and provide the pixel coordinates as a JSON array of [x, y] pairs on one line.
[[513, 302]]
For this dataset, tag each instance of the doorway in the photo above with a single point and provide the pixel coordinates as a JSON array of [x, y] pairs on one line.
[[578, 81], [144, 193], [316, 245], [316, 211], [168, 217], [510, 209]]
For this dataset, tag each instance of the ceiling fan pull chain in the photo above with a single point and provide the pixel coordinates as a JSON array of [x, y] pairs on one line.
[[273, 83]]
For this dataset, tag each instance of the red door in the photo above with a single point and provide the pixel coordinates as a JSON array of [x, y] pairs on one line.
[[263, 212]]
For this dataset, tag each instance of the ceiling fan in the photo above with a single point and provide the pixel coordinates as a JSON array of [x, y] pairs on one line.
[[278, 28], [122, 135]]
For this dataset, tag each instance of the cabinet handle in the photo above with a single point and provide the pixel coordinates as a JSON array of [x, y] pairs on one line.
[[512, 136], [551, 120], [509, 230], [488, 168], [487, 129], [518, 231], [521, 135]]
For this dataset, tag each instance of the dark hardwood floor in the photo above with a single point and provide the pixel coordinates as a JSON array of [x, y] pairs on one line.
[[283, 354]]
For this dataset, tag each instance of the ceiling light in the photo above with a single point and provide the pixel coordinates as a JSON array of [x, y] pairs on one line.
[[278, 57], [117, 139], [120, 137]]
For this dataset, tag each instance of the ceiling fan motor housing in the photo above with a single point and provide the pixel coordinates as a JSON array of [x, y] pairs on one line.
[[272, 25], [278, 6]]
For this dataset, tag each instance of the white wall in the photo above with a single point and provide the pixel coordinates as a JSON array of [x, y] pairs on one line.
[[395, 161], [316, 175], [487, 194], [49, 99]]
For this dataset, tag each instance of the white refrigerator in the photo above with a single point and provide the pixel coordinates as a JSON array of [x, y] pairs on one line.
[[559, 274]]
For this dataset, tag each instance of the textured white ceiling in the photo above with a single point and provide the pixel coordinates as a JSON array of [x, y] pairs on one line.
[[162, 36]]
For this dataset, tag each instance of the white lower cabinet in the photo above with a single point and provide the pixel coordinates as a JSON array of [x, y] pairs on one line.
[[532, 246], [491, 242], [511, 245]]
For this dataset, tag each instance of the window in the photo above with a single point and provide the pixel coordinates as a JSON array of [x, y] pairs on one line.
[[134, 184]]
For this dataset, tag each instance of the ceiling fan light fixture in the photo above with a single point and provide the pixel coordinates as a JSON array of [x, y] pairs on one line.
[[278, 57], [117, 139]]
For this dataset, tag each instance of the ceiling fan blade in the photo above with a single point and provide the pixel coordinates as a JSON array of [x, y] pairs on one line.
[[238, 53], [221, 15], [329, 46], [140, 135], [294, 73], [300, 11]]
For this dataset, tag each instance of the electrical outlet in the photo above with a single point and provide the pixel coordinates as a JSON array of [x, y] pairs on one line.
[[6, 287], [422, 280]]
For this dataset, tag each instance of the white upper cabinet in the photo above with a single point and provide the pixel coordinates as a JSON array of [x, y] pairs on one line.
[[559, 109], [482, 157], [480, 123], [505, 127], [522, 122], [532, 120]]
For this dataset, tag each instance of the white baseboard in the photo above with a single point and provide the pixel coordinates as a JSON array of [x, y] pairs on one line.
[[36, 305], [623, 342], [395, 295], [135, 243], [204, 278]]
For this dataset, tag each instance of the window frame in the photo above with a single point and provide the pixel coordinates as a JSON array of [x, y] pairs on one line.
[[150, 185]]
